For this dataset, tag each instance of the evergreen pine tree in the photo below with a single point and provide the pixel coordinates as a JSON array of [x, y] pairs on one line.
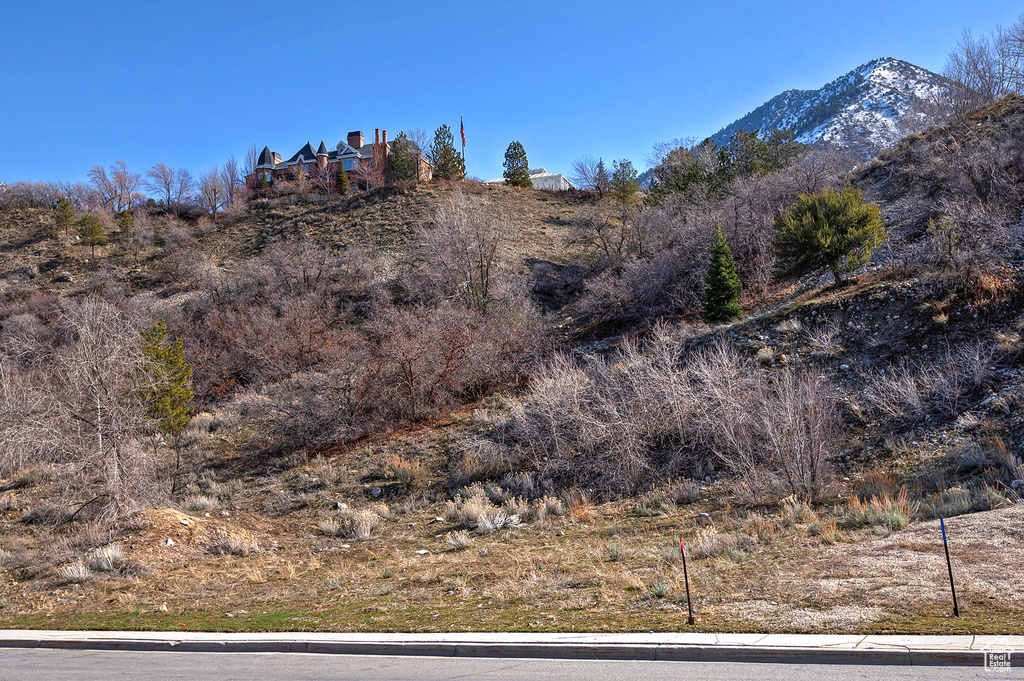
[[125, 221], [167, 394], [829, 230], [64, 214], [625, 184], [91, 232], [517, 168], [722, 285], [448, 163], [402, 162], [341, 181]]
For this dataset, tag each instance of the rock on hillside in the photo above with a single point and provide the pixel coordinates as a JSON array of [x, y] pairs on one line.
[[864, 111]]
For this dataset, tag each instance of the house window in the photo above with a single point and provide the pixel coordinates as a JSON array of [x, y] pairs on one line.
[[349, 164]]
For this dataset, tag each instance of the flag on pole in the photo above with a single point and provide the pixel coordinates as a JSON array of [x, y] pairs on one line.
[[462, 131]]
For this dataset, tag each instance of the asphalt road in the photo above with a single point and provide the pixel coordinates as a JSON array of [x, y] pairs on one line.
[[74, 665]]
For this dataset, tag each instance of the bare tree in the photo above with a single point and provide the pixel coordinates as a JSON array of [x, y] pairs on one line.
[[588, 173], [370, 173], [211, 191], [983, 69], [27, 412], [161, 179], [420, 139], [70, 395], [183, 188], [322, 177], [251, 158], [126, 186], [301, 178], [231, 180], [105, 191], [98, 376], [462, 252]]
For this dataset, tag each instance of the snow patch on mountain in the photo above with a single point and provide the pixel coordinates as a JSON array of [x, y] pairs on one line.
[[864, 111]]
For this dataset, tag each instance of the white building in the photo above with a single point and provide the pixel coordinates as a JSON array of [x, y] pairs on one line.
[[542, 179]]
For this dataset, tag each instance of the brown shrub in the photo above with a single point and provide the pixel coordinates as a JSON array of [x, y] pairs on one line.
[[619, 425], [908, 392], [579, 508], [411, 473]]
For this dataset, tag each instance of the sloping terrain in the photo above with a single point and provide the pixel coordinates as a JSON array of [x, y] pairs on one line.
[[387, 219], [442, 520]]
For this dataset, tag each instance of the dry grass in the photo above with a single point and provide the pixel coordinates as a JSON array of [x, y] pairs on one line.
[[354, 525], [580, 510], [108, 558], [826, 530], [885, 510], [824, 340], [411, 473], [75, 573], [478, 513], [459, 540], [605, 573], [876, 483], [201, 504]]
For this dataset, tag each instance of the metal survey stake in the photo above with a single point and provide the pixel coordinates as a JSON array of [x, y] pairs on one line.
[[949, 566], [686, 580]]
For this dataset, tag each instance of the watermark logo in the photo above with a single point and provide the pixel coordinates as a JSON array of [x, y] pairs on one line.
[[998, 654]]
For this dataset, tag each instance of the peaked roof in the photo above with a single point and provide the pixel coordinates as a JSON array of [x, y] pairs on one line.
[[322, 149], [266, 157], [305, 153]]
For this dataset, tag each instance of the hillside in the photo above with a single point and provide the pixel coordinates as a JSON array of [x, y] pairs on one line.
[[384, 223], [864, 111], [383, 443]]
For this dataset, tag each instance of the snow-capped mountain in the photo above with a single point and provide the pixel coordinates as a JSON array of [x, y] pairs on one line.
[[864, 111]]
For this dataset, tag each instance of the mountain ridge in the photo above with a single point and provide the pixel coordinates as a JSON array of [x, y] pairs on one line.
[[864, 111]]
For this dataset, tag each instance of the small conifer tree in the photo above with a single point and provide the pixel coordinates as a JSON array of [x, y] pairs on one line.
[[625, 184], [517, 168], [341, 181], [722, 285], [125, 221], [91, 232], [64, 214], [448, 163], [402, 161], [829, 230], [167, 394]]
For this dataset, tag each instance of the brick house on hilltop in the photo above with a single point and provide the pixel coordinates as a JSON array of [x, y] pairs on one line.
[[355, 156]]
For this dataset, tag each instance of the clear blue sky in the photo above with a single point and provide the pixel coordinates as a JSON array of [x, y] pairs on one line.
[[188, 83]]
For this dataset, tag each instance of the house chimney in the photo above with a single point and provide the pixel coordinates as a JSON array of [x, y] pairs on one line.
[[355, 139], [376, 136], [384, 137]]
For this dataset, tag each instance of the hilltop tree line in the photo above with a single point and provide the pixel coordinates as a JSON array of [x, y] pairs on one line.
[[118, 190], [983, 69]]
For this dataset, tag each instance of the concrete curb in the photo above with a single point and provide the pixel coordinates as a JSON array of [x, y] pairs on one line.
[[876, 650]]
